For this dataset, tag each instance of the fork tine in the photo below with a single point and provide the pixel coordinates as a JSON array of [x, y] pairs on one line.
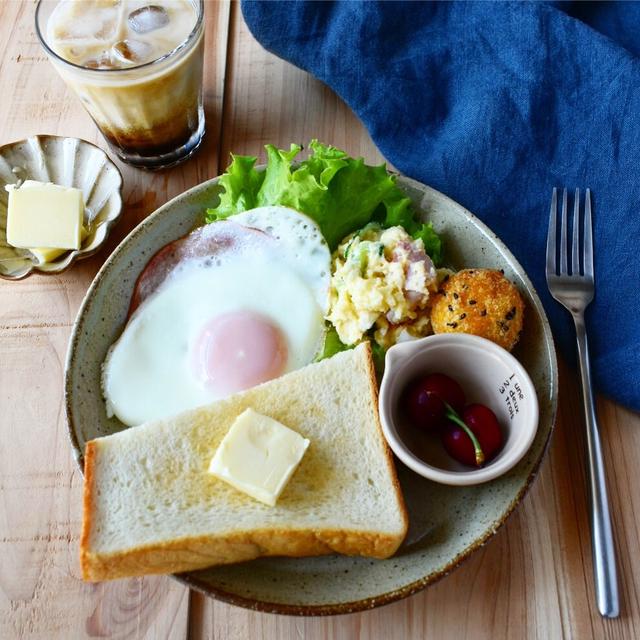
[[588, 237], [563, 235], [575, 244], [551, 234]]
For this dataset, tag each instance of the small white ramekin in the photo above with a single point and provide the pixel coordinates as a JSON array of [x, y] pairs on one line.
[[488, 374]]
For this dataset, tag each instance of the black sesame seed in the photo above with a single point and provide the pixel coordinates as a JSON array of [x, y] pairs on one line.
[[455, 295], [472, 302], [483, 312], [463, 316], [450, 308], [452, 324], [511, 314]]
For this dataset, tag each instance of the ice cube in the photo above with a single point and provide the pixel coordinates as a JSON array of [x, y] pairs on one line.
[[100, 62], [131, 51], [148, 18], [90, 20]]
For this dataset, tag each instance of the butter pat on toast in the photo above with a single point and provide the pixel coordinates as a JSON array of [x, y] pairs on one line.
[[150, 505]]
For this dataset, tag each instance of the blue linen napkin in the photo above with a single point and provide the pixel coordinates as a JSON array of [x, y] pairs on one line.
[[494, 104]]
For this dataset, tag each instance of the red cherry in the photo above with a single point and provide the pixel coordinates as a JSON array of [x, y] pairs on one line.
[[425, 409], [484, 425], [446, 388], [483, 422], [458, 444]]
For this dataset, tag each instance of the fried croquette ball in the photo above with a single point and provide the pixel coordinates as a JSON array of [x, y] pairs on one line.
[[481, 302]]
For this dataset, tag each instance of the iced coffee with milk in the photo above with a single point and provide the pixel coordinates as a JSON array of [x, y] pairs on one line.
[[137, 67]]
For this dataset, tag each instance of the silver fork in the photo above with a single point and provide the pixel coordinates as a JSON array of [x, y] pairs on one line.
[[573, 287]]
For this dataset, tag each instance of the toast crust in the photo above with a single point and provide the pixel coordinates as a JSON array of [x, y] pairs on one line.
[[197, 552], [87, 505]]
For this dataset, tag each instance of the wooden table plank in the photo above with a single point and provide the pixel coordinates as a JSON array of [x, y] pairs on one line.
[[40, 524], [270, 101], [41, 594]]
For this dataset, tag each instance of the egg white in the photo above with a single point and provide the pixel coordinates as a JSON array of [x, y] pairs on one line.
[[148, 373], [300, 240]]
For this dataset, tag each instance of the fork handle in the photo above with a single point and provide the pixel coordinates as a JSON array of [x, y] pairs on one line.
[[604, 557]]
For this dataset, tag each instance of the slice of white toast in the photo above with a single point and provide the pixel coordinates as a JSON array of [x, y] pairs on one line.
[[150, 506]]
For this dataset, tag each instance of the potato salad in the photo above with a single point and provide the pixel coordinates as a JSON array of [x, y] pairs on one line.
[[382, 281]]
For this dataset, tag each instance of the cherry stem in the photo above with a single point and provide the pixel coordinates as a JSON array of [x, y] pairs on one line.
[[452, 415]]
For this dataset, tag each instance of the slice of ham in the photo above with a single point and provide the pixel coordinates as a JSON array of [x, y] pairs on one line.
[[210, 241]]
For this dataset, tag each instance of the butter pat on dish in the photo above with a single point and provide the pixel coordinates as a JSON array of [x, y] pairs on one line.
[[44, 215], [43, 255], [258, 456]]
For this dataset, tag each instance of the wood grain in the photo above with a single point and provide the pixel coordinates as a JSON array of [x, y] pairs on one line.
[[532, 580], [270, 101], [41, 595]]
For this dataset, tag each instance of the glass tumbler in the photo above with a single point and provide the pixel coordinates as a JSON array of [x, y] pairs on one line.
[[150, 114]]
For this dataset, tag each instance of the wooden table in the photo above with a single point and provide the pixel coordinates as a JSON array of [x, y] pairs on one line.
[[533, 579]]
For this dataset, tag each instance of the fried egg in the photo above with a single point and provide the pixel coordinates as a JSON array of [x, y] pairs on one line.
[[301, 239], [249, 311]]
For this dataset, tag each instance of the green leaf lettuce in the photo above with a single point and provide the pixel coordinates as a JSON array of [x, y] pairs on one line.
[[342, 194]]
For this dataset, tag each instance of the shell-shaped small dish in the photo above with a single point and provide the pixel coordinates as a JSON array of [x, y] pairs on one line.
[[69, 162]]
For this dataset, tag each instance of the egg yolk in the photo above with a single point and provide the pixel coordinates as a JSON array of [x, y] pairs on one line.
[[238, 350]]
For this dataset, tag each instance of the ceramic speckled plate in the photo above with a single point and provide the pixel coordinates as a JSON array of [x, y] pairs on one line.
[[446, 523]]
